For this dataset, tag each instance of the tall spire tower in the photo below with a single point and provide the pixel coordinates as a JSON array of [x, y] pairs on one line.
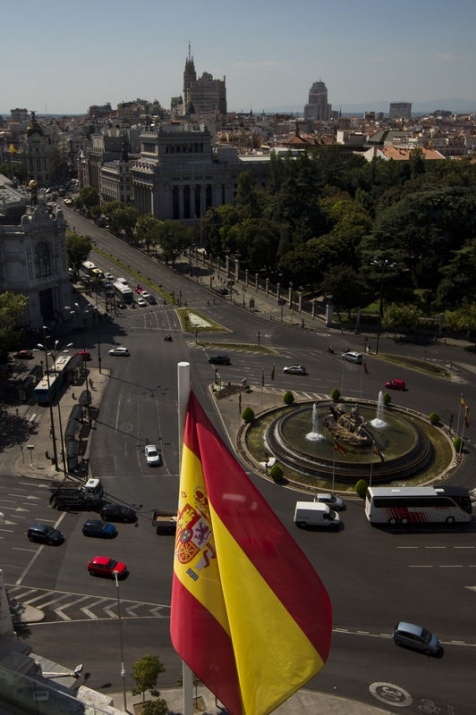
[[189, 78]]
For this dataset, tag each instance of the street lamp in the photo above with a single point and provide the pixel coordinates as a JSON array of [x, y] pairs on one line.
[[121, 643], [383, 264], [290, 296]]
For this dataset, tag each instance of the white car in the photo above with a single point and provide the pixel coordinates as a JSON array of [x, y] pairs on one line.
[[141, 302], [152, 455], [109, 276], [295, 370], [352, 356], [119, 351], [145, 295]]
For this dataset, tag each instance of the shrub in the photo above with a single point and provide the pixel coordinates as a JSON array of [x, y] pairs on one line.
[[361, 488], [145, 672], [288, 398], [387, 399], [276, 473], [248, 415], [458, 444], [155, 707], [434, 418], [335, 394]]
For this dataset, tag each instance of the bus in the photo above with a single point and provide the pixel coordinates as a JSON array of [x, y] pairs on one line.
[[123, 292], [52, 382], [417, 505], [92, 270]]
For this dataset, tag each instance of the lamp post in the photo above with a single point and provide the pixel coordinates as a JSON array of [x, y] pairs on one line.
[[121, 643], [383, 264], [290, 295]]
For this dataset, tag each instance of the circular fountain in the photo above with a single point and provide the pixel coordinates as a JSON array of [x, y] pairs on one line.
[[350, 440]]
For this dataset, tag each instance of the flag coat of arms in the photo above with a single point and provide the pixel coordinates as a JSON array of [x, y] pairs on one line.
[[250, 616]]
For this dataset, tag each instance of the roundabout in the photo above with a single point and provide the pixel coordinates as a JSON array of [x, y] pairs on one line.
[[331, 445]]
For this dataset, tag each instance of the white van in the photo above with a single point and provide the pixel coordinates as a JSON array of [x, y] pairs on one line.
[[309, 513]]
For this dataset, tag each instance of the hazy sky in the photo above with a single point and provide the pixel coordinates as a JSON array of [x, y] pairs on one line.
[[59, 56]]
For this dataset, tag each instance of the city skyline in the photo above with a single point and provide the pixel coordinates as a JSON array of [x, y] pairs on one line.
[[63, 58]]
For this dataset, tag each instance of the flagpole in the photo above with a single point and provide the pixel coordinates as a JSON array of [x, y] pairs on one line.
[[459, 414], [183, 391]]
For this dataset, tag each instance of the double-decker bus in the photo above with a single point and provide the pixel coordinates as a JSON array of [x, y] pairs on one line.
[[123, 292], [49, 386], [417, 505]]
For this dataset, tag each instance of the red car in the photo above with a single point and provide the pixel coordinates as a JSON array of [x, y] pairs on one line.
[[85, 355], [23, 355], [104, 566], [395, 385]]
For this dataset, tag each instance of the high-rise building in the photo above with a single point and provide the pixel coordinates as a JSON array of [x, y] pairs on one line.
[[318, 107], [400, 110], [204, 95]]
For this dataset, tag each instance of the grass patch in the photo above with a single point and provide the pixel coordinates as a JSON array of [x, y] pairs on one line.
[[426, 366]]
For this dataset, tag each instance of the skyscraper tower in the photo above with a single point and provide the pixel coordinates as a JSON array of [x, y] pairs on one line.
[[189, 79], [318, 107]]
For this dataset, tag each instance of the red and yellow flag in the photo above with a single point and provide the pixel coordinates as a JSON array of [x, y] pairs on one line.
[[250, 616]]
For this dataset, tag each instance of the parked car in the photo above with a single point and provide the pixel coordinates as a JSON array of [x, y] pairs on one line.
[[352, 356], [152, 455], [85, 355], [118, 512], [145, 295], [109, 276], [44, 534], [99, 529], [151, 299], [409, 635], [395, 385], [104, 566], [295, 370], [219, 360], [335, 502], [141, 302], [23, 355], [120, 351]]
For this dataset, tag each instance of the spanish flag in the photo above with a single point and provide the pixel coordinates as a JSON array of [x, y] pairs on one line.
[[463, 403], [249, 616], [12, 149]]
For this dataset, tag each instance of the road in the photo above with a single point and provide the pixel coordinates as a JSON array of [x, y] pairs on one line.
[[374, 578]]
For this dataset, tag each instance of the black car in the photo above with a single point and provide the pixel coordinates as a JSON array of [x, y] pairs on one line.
[[99, 529], [118, 512], [44, 534], [219, 360]]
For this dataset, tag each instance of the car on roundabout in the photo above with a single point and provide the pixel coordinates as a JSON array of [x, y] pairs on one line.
[[107, 567], [395, 385], [99, 529], [219, 360], [332, 500], [118, 512], [23, 355], [44, 534], [152, 455], [409, 635], [352, 356], [295, 370], [120, 351]]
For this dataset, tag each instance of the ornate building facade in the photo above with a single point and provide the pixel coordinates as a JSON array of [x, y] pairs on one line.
[[33, 261], [204, 95]]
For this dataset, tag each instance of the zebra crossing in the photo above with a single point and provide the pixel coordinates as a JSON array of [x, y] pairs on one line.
[[68, 607]]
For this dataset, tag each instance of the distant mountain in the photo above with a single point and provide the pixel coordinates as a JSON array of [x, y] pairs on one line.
[[458, 106]]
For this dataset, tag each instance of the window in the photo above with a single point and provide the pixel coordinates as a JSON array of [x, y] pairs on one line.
[[42, 260]]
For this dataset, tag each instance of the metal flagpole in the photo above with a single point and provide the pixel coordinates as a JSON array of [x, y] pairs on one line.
[[183, 383]]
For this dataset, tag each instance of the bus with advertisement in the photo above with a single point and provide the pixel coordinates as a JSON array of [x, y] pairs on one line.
[[417, 505], [51, 383]]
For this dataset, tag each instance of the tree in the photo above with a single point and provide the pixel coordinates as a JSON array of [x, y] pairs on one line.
[[401, 316], [145, 673], [78, 249], [173, 239], [148, 231], [12, 314], [87, 197], [123, 220], [348, 288]]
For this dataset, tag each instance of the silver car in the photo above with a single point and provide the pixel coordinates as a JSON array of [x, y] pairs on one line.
[[415, 637], [119, 351]]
